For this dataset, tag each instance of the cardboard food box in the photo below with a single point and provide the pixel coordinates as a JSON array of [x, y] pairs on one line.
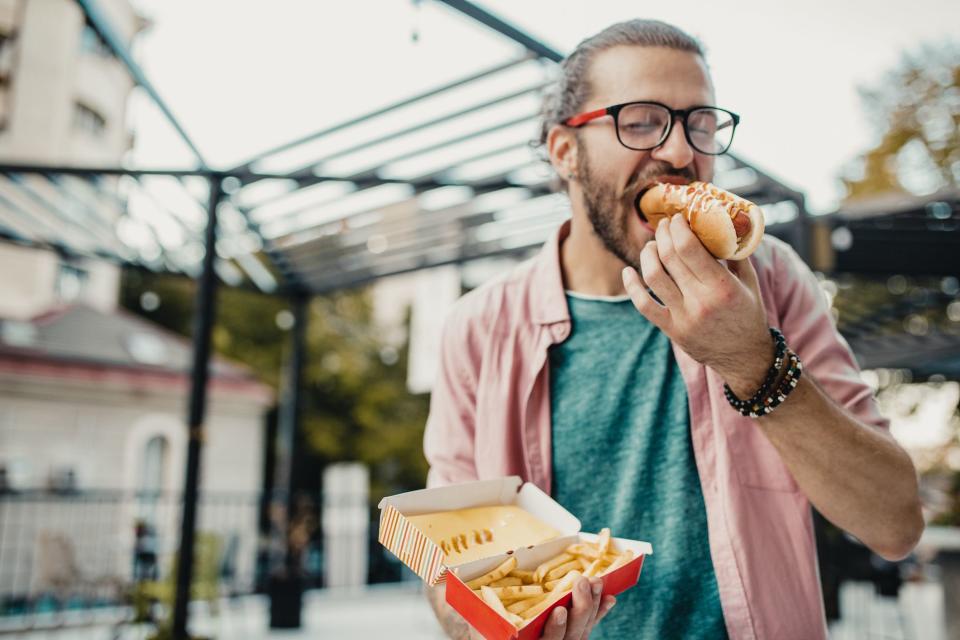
[[551, 526]]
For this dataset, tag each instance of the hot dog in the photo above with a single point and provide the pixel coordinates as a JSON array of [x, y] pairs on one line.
[[729, 226]]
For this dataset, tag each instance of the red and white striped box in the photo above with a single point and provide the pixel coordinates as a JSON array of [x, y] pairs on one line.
[[427, 560]]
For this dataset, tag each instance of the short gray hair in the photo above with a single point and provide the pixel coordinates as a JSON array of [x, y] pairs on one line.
[[572, 88]]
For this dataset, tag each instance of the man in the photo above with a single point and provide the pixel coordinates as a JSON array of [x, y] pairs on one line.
[[570, 374]]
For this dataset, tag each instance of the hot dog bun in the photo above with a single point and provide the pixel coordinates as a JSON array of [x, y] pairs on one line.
[[711, 213]]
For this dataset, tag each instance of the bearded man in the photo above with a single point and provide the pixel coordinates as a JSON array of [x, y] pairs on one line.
[[603, 371]]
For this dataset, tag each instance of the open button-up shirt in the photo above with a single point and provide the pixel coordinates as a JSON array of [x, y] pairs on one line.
[[490, 417]]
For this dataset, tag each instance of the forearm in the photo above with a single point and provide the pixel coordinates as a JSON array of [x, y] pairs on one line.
[[450, 621], [856, 475]]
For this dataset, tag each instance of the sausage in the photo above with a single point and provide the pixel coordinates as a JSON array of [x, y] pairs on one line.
[[741, 224]]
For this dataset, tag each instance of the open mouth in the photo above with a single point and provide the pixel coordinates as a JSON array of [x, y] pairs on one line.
[[652, 184], [636, 203]]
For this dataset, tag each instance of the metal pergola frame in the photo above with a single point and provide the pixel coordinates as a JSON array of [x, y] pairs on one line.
[[301, 256]]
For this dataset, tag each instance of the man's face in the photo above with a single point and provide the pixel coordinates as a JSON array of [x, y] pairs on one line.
[[610, 177]]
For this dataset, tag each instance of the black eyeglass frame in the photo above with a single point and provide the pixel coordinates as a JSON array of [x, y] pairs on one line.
[[581, 119]]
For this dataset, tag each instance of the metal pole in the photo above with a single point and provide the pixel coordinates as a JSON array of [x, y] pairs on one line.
[[203, 317], [286, 583], [485, 17], [801, 230]]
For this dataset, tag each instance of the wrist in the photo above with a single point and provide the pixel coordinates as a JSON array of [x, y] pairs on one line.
[[777, 383], [748, 375]]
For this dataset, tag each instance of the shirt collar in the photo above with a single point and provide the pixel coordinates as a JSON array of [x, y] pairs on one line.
[[548, 298]]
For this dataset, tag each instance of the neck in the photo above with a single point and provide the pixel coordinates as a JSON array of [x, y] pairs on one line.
[[588, 267]]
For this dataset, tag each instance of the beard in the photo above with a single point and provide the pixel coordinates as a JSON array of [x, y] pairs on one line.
[[610, 211]]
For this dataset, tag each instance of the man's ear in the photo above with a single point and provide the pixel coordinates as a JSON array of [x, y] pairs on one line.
[[562, 149]]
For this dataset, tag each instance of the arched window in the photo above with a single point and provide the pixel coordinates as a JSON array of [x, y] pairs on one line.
[[153, 471]]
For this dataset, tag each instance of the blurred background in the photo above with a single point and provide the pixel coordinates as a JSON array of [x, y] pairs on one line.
[[364, 164]]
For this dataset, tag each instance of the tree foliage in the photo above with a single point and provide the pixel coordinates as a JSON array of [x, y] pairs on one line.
[[356, 406], [916, 111]]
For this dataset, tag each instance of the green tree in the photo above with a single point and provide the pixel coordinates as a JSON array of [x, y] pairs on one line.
[[356, 406], [916, 111]]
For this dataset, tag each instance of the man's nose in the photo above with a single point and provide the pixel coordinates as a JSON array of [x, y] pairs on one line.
[[675, 149]]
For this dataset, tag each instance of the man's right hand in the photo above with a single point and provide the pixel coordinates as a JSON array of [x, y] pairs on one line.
[[588, 608]]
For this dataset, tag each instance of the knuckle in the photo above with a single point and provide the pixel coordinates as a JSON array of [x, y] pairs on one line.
[[702, 314], [687, 242], [666, 251]]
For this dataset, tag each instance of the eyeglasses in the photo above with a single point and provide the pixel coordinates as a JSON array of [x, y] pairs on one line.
[[642, 126]]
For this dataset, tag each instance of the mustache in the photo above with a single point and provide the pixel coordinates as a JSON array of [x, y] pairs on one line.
[[639, 184], [643, 180]]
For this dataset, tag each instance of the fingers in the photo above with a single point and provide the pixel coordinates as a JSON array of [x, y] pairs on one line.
[[673, 258], [588, 609], [556, 627], [651, 309], [745, 272], [695, 256], [605, 605], [657, 278], [586, 602]]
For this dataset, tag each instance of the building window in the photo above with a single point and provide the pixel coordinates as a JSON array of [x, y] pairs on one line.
[[6, 57], [153, 467], [154, 463], [70, 281], [86, 119], [91, 42]]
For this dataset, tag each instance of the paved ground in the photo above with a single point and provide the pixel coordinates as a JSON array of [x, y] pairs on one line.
[[400, 612]]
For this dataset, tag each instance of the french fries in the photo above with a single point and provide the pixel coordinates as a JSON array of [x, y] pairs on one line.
[[519, 595], [496, 574], [491, 599]]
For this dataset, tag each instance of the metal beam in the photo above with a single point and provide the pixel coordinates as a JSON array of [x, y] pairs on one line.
[[99, 22], [379, 112], [485, 17], [366, 278], [370, 177], [393, 135]]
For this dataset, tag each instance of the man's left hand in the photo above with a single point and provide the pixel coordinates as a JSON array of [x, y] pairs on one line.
[[712, 312]]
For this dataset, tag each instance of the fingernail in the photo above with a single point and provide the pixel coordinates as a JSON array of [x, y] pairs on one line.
[[561, 616], [585, 587], [597, 588]]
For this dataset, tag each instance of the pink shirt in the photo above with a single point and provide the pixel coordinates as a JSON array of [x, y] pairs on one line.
[[490, 417]]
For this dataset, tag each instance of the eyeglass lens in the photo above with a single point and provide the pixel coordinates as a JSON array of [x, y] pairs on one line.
[[644, 126]]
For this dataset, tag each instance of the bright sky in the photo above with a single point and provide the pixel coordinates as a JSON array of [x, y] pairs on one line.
[[245, 75]]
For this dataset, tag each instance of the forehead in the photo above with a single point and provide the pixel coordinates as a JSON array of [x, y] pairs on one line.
[[676, 78]]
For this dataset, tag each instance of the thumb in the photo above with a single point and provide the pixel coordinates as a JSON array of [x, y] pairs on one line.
[[745, 272]]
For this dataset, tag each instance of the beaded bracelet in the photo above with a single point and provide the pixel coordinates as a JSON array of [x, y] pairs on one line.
[[786, 386], [772, 373]]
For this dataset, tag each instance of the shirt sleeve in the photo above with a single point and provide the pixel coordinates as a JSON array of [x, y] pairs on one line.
[[808, 325], [448, 442]]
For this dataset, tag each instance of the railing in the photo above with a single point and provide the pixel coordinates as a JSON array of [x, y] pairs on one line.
[[84, 549]]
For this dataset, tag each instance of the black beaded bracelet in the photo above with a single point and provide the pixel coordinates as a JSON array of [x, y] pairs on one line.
[[772, 373], [786, 386]]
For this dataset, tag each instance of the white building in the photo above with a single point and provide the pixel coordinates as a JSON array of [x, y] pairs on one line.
[[63, 98], [93, 398]]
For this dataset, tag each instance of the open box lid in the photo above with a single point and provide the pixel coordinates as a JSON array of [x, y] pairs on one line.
[[425, 557]]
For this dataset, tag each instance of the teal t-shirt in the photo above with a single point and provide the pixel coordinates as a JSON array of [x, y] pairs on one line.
[[623, 458]]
